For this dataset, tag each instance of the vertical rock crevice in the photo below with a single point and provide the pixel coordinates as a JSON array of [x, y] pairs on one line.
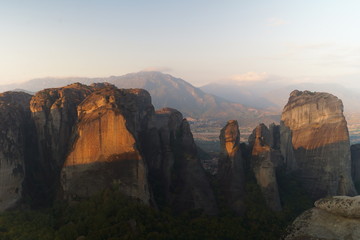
[[263, 163]]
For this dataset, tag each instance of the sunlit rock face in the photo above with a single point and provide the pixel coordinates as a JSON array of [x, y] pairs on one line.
[[332, 218], [315, 143], [105, 151], [263, 162], [355, 163], [54, 112], [175, 173], [231, 167], [14, 118]]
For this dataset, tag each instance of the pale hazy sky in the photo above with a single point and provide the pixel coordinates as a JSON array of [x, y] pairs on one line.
[[199, 41]]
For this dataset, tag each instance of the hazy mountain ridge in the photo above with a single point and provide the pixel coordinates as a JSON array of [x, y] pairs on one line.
[[167, 91], [273, 95]]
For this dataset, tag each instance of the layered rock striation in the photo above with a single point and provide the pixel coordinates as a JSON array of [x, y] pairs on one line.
[[105, 150], [54, 112], [332, 218], [263, 163], [83, 139], [175, 172], [355, 163], [15, 120], [231, 167], [315, 143]]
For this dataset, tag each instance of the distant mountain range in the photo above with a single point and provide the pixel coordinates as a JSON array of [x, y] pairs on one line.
[[249, 103], [269, 96], [167, 91]]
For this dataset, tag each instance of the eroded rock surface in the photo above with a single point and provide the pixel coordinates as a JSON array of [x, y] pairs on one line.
[[14, 118], [340, 205], [262, 163], [106, 150], [176, 175], [315, 143], [54, 112], [355, 163], [231, 167], [332, 218]]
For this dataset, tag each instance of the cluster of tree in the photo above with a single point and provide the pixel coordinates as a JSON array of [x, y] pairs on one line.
[[113, 216]]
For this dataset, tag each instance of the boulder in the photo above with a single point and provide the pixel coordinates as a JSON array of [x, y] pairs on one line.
[[332, 218]]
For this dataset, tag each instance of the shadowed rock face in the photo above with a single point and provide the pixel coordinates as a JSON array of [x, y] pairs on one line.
[[106, 151], [54, 113], [262, 161], [176, 175], [14, 118], [332, 218], [315, 143], [355, 163], [231, 167], [89, 138]]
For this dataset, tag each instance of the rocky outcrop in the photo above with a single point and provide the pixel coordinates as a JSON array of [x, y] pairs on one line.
[[315, 143], [231, 167], [105, 150], [263, 166], [175, 173], [54, 113], [332, 218], [355, 163], [14, 118]]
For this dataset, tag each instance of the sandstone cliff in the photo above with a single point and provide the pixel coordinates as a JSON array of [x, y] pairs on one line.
[[263, 166], [315, 143], [231, 167], [355, 163], [14, 118], [332, 218], [175, 173], [54, 113], [105, 150]]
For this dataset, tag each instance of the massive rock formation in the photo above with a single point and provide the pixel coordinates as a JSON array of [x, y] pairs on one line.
[[54, 113], [355, 163], [106, 151], [231, 167], [94, 137], [262, 163], [14, 118], [315, 143], [175, 173], [332, 218]]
